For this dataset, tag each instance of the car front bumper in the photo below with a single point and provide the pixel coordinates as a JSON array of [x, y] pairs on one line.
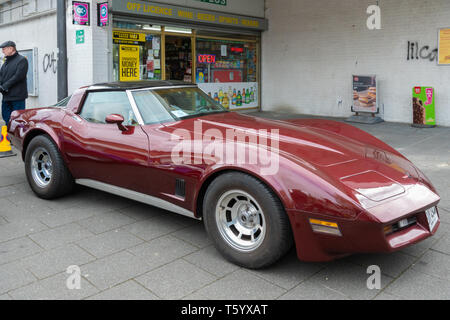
[[367, 233]]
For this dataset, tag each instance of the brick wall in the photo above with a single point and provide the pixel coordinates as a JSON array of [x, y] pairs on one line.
[[313, 47]]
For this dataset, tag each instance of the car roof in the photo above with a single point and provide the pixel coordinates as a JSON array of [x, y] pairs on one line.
[[134, 85]]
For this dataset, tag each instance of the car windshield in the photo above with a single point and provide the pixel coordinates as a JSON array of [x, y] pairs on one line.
[[63, 103], [163, 105]]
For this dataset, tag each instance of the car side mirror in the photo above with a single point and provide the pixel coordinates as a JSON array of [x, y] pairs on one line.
[[117, 119]]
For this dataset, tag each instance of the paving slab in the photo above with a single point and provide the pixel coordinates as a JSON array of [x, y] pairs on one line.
[[435, 264], [162, 250], [116, 241], [141, 211], [195, 235], [60, 236], [19, 229], [106, 221], [242, 285], [110, 242], [17, 249], [154, 227], [175, 280], [211, 260], [289, 272], [54, 288], [14, 275], [391, 265], [112, 270], [61, 217], [129, 290], [54, 261], [313, 291], [415, 285], [348, 279]]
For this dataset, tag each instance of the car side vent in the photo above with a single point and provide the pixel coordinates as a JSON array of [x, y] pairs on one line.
[[180, 188]]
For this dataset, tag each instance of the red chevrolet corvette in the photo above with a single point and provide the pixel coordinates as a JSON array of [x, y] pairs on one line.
[[259, 185]]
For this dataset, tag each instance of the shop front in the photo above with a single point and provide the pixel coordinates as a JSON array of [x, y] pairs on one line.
[[219, 52]]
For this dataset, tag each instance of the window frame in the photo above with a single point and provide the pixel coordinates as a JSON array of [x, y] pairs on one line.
[[85, 100]]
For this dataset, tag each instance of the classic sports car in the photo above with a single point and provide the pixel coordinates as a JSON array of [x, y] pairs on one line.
[[259, 185]]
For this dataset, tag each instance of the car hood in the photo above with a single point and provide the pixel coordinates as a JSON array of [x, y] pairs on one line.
[[372, 172]]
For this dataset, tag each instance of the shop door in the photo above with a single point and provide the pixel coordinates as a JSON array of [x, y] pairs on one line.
[[179, 58]]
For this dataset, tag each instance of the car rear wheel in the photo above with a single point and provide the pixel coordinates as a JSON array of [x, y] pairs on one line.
[[246, 221], [45, 169]]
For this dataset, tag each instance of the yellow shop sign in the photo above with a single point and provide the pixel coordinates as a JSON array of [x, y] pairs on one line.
[[129, 63], [125, 37]]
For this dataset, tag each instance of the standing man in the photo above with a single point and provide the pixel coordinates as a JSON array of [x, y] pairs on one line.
[[13, 80]]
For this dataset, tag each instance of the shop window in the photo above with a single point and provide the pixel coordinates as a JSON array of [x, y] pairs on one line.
[[178, 58], [147, 58], [224, 65], [227, 71], [152, 58]]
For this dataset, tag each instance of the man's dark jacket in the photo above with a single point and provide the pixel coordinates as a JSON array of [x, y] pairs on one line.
[[13, 78]]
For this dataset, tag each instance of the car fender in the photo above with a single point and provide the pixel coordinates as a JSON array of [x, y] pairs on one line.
[[296, 186], [34, 130], [275, 185]]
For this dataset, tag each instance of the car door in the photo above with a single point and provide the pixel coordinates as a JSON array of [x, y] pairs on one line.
[[101, 152], [176, 182]]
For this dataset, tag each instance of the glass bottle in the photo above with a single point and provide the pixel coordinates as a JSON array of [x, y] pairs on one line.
[[225, 102], [239, 99]]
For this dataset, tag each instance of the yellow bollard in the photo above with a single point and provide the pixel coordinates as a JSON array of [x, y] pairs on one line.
[[5, 145]]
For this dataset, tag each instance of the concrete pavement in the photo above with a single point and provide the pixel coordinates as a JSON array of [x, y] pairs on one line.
[[127, 250]]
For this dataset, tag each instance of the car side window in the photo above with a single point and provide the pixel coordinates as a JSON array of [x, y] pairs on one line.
[[98, 105], [151, 108]]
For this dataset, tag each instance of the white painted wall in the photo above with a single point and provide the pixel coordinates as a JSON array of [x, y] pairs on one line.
[[313, 47], [40, 33], [90, 62]]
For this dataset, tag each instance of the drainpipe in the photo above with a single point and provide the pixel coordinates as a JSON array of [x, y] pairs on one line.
[[62, 49]]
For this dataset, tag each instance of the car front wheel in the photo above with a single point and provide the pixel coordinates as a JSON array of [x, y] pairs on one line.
[[246, 221], [45, 169]]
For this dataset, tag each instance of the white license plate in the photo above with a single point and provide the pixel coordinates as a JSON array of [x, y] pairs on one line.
[[432, 217]]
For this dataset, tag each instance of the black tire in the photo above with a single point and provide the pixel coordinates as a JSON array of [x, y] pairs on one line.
[[59, 182], [277, 239]]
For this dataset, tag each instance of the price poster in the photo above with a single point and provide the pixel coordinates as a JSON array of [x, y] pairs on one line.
[[129, 63], [81, 13], [444, 47], [424, 108], [365, 94]]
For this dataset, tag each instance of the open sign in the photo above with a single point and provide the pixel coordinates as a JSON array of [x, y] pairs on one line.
[[206, 58]]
